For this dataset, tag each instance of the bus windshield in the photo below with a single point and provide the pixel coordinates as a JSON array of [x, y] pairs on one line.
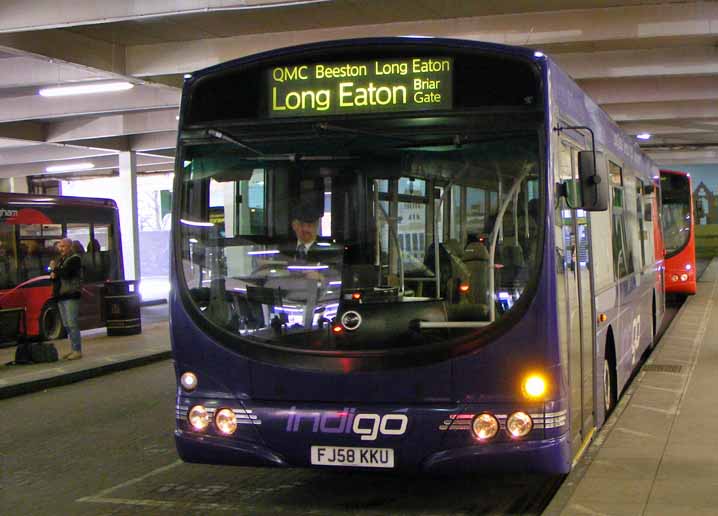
[[675, 212], [359, 241]]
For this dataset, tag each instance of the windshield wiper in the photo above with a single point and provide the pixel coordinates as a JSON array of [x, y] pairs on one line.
[[220, 135], [332, 128]]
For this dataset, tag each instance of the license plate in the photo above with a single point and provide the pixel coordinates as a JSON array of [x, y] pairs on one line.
[[353, 456]]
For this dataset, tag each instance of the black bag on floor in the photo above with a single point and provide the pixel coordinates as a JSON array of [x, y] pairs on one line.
[[43, 352], [23, 353]]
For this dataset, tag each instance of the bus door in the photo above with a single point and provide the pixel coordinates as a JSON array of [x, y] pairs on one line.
[[574, 303]]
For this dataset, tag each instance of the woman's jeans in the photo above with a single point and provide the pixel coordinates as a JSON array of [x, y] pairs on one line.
[[69, 311]]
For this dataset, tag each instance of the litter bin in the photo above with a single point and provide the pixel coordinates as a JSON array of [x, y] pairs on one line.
[[122, 307]]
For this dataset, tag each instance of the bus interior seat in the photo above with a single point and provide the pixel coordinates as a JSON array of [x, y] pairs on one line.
[[359, 276], [92, 267], [452, 269], [476, 259], [511, 257]]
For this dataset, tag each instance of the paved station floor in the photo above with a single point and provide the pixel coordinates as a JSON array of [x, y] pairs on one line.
[[657, 454], [100, 355]]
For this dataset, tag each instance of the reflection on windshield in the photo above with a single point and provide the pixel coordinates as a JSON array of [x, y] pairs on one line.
[[364, 251], [676, 221]]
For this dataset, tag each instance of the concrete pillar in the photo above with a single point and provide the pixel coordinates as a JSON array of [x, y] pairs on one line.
[[127, 203]]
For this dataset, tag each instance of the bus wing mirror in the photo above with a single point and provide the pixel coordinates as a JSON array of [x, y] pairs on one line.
[[593, 182]]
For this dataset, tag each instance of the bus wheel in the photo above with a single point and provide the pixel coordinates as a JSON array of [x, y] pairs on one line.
[[609, 387], [51, 324]]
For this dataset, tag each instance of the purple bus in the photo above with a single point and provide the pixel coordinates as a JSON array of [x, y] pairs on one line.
[[405, 253]]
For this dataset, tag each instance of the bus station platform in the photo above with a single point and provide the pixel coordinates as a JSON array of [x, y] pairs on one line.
[[100, 355], [656, 455]]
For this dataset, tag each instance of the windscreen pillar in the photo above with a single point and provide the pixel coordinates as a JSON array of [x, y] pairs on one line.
[[129, 226]]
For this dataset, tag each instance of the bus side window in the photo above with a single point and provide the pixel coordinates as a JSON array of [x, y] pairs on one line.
[[102, 259], [8, 257], [622, 250]]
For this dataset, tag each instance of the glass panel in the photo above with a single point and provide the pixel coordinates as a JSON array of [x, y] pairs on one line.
[[675, 212], [8, 257], [52, 230], [642, 234], [100, 259], [339, 238], [622, 250], [30, 230], [80, 236], [412, 186], [412, 223], [457, 220], [35, 256]]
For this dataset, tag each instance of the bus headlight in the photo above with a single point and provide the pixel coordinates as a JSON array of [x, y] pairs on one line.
[[485, 426], [519, 424], [674, 277], [198, 417], [534, 386], [684, 277], [188, 381], [225, 421]]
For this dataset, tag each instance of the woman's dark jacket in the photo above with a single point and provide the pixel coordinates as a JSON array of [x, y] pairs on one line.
[[68, 278]]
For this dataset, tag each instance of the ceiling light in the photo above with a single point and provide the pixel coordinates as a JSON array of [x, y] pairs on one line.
[[71, 167], [82, 89], [644, 136]]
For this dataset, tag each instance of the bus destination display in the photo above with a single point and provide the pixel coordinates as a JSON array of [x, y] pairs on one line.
[[382, 85]]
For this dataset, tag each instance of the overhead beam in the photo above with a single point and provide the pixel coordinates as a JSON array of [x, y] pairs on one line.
[[656, 62], [23, 71], [117, 124], [686, 20], [46, 152], [112, 143], [107, 162], [670, 126], [684, 157], [150, 142], [33, 131], [48, 14], [30, 107], [643, 89], [68, 46], [663, 110]]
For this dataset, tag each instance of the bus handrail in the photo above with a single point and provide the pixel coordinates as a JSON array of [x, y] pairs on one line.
[[494, 235], [395, 240]]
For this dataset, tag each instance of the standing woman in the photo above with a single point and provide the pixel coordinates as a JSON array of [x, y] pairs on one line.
[[66, 275]]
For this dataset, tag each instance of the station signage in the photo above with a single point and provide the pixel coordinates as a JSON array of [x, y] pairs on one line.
[[378, 86]]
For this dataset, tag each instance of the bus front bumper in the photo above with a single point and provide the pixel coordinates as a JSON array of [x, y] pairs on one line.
[[540, 456]]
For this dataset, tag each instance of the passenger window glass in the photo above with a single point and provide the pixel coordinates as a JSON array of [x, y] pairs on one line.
[[100, 262], [80, 236], [622, 250], [8, 257]]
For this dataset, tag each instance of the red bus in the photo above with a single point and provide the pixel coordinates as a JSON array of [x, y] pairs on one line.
[[678, 232], [30, 228]]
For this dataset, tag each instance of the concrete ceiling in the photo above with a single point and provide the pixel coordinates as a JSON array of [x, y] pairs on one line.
[[651, 64]]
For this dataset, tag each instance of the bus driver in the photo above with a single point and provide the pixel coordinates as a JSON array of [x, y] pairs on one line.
[[305, 224]]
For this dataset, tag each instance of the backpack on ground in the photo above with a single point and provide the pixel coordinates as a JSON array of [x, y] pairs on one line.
[[23, 353], [43, 352]]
